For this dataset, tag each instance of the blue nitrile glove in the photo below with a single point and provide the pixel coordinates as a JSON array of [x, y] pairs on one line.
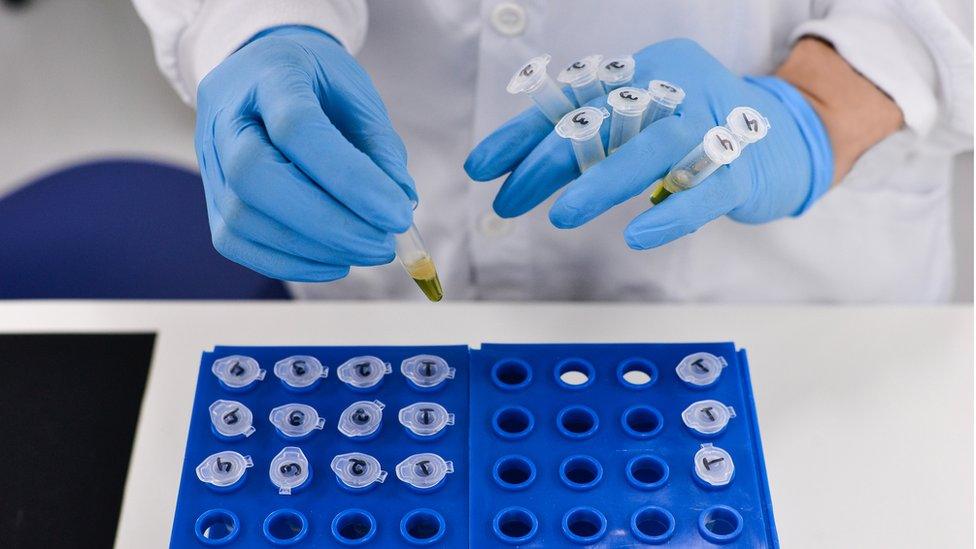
[[781, 175], [303, 173]]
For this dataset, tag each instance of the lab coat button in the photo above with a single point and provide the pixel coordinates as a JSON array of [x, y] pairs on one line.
[[508, 18], [490, 224]]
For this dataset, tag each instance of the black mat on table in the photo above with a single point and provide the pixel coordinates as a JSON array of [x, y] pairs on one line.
[[68, 410]]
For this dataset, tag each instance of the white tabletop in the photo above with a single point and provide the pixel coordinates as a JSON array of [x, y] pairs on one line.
[[866, 413]]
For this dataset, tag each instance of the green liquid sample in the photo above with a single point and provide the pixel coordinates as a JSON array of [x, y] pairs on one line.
[[658, 194], [424, 274]]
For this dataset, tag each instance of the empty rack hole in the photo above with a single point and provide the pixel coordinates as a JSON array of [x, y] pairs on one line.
[[515, 525], [422, 526], [577, 421], [353, 526], [642, 421], [652, 524], [513, 472], [575, 373], [513, 422], [580, 472], [637, 373], [647, 472], [285, 526], [720, 523], [584, 524], [216, 527], [511, 374]]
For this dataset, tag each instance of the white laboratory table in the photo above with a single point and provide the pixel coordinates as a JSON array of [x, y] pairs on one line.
[[866, 413]]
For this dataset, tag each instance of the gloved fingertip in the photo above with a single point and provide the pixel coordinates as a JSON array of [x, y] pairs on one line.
[[635, 241], [479, 167], [564, 216]]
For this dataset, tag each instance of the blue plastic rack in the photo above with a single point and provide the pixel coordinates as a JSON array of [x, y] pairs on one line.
[[552, 445]]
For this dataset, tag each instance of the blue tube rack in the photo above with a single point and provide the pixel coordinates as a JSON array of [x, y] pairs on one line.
[[551, 446]]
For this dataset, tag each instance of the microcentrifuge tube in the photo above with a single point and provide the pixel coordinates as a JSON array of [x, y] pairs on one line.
[[719, 147], [532, 79], [426, 371], [237, 372], [707, 417], [628, 106], [357, 471], [665, 98], [224, 469], [361, 419], [363, 372], [747, 124], [713, 466], [616, 72], [581, 75], [700, 369], [300, 371], [231, 419], [296, 420], [424, 471], [416, 260], [289, 470], [582, 128], [425, 419]]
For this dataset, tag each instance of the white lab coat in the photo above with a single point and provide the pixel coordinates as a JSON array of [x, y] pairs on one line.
[[442, 65]]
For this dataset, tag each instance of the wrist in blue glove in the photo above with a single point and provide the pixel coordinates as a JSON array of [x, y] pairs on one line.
[[303, 173], [779, 176]]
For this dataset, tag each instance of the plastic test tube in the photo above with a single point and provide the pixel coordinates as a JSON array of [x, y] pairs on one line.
[[718, 148], [581, 75], [747, 124], [582, 128], [628, 106], [617, 72], [665, 98], [416, 260], [532, 79]]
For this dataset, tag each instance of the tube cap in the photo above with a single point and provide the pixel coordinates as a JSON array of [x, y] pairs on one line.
[[582, 71], [721, 145], [747, 124], [363, 372], [300, 371], [707, 416], [628, 100], [361, 418], [296, 420], [713, 466], [237, 371], [357, 470], [424, 471], [426, 371], [581, 124], [666, 93], [289, 469], [223, 469], [700, 369], [530, 77], [617, 70], [231, 418], [425, 418]]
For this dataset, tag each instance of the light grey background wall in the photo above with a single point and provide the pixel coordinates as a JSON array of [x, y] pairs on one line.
[[78, 81]]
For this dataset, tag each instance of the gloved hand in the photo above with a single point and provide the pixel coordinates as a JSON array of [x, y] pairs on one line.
[[303, 173], [781, 175]]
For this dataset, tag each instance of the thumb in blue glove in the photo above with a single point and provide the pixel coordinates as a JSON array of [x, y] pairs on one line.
[[303, 173], [782, 175]]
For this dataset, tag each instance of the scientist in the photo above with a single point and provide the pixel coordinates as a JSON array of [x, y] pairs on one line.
[[303, 148]]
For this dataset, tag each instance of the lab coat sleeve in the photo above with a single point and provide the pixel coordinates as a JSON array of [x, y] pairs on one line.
[[911, 50], [191, 37]]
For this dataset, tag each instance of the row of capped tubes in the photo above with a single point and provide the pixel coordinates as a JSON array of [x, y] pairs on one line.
[[361, 420], [290, 470], [301, 373], [353, 526]]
